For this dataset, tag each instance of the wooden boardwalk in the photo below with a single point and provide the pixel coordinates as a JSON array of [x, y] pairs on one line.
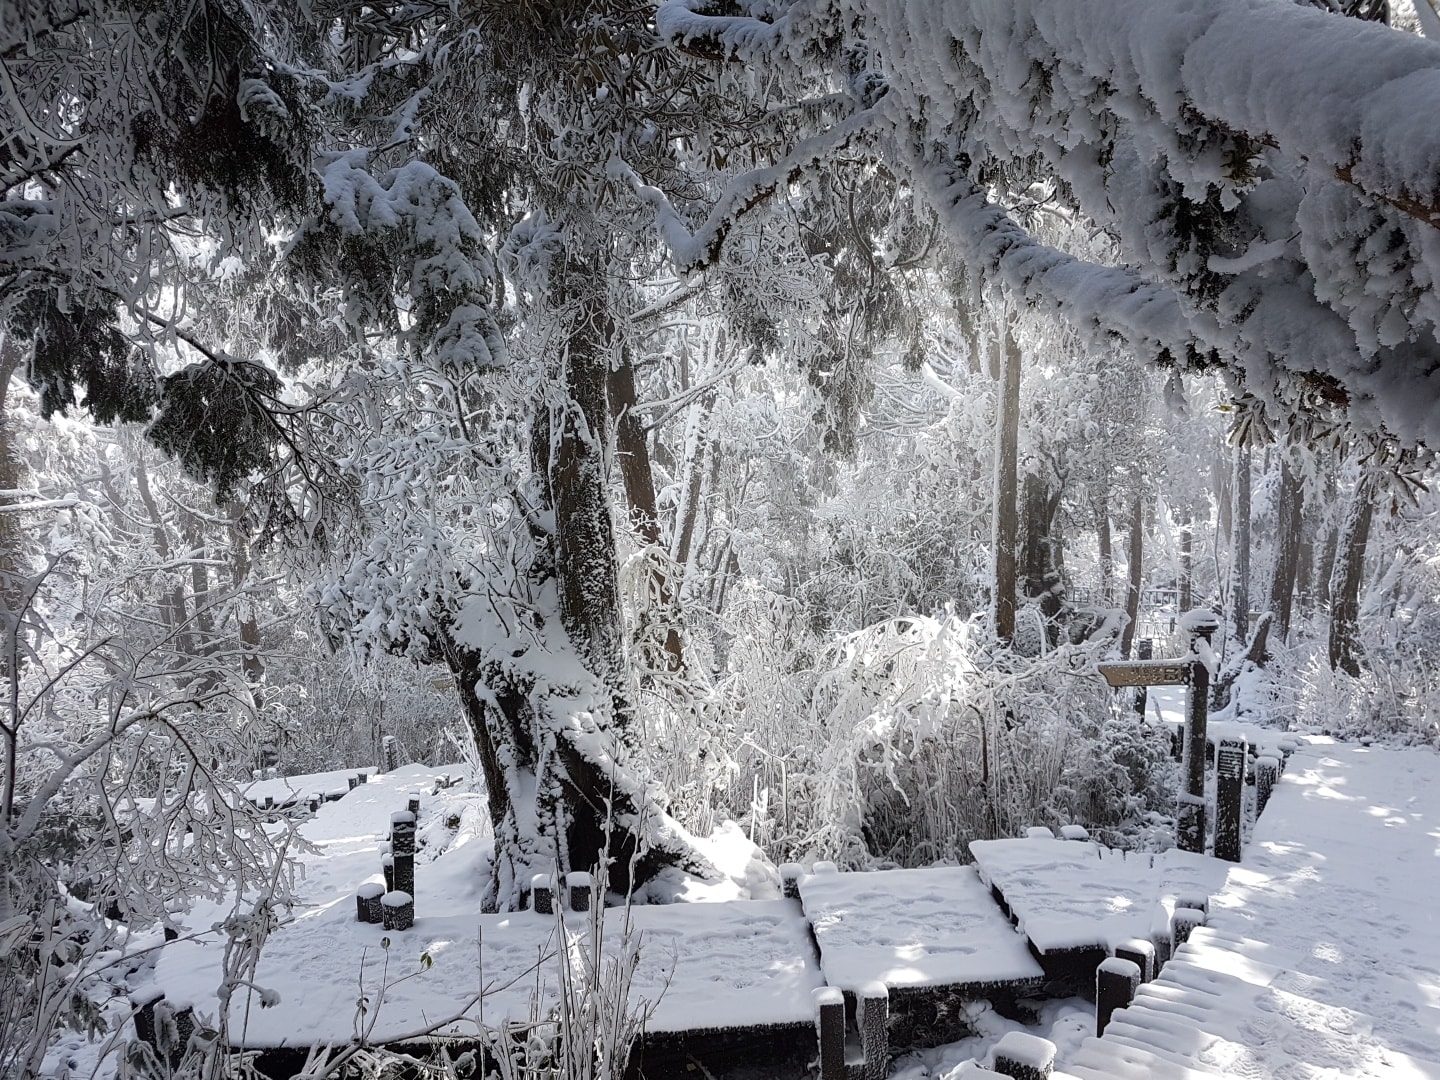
[[1322, 954]]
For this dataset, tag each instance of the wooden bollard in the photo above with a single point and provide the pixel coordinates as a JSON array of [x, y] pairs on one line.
[[402, 832], [1267, 772], [830, 1031], [542, 894], [1197, 900], [404, 873], [790, 875], [872, 1017], [1141, 953], [1182, 923], [367, 902], [362, 778], [579, 887], [414, 806], [387, 866], [1023, 1057], [1229, 797], [353, 781], [397, 910], [144, 1005], [1116, 981]]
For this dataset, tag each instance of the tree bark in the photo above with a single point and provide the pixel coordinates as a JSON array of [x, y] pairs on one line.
[[1349, 571], [1107, 554], [1132, 592], [1287, 550], [1240, 548], [632, 450], [1187, 562], [1006, 489]]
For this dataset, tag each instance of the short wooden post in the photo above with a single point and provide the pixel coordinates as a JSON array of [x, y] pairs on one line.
[[389, 753], [578, 887], [1023, 1057], [872, 1017], [1267, 772], [1141, 953], [144, 1005], [1182, 923], [404, 873], [1116, 981], [367, 902], [542, 894], [397, 910], [830, 1031], [1229, 797], [414, 806], [387, 866], [790, 875], [402, 832], [362, 778]]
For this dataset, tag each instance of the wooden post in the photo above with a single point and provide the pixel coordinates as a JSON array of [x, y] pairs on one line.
[[1141, 953], [542, 894], [830, 1031], [1144, 650], [1023, 1057], [1116, 981], [578, 886], [1229, 797], [872, 1017], [414, 806], [404, 873], [1190, 826], [367, 902], [387, 865], [1267, 772], [398, 910], [790, 875], [1182, 923]]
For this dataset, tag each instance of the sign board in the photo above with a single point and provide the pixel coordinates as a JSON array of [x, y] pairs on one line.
[[1147, 672]]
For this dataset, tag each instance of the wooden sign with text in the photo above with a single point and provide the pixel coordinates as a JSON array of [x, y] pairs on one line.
[[1147, 672]]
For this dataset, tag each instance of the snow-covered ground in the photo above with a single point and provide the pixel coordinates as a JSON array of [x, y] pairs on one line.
[[1322, 955], [1321, 958]]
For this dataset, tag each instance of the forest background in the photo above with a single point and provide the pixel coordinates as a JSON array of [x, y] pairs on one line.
[[763, 412]]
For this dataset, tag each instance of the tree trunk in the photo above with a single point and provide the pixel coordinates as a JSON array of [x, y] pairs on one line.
[[1287, 550], [549, 704], [1006, 490], [1349, 571], [1132, 592], [1107, 554], [1187, 562], [1240, 548], [637, 478]]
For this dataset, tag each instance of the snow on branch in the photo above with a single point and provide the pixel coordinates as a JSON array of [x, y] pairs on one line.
[[1270, 174], [692, 251]]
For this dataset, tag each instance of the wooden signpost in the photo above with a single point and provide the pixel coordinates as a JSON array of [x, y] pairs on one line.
[[1193, 673]]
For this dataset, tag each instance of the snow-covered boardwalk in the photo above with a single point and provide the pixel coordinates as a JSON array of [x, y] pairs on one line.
[[1322, 954]]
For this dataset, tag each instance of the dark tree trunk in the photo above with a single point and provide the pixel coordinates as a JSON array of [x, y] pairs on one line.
[[1132, 592], [1187, 562], [1006, 491], [556, 738], [1107, 554], [1353, 537], [1287, 550], [637, 478], [1240, 548]]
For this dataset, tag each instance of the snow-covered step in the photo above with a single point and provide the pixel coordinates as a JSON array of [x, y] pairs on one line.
[[1317, 962], [934, 937]]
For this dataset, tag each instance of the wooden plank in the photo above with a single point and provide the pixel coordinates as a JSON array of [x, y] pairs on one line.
[[1147, 672]]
